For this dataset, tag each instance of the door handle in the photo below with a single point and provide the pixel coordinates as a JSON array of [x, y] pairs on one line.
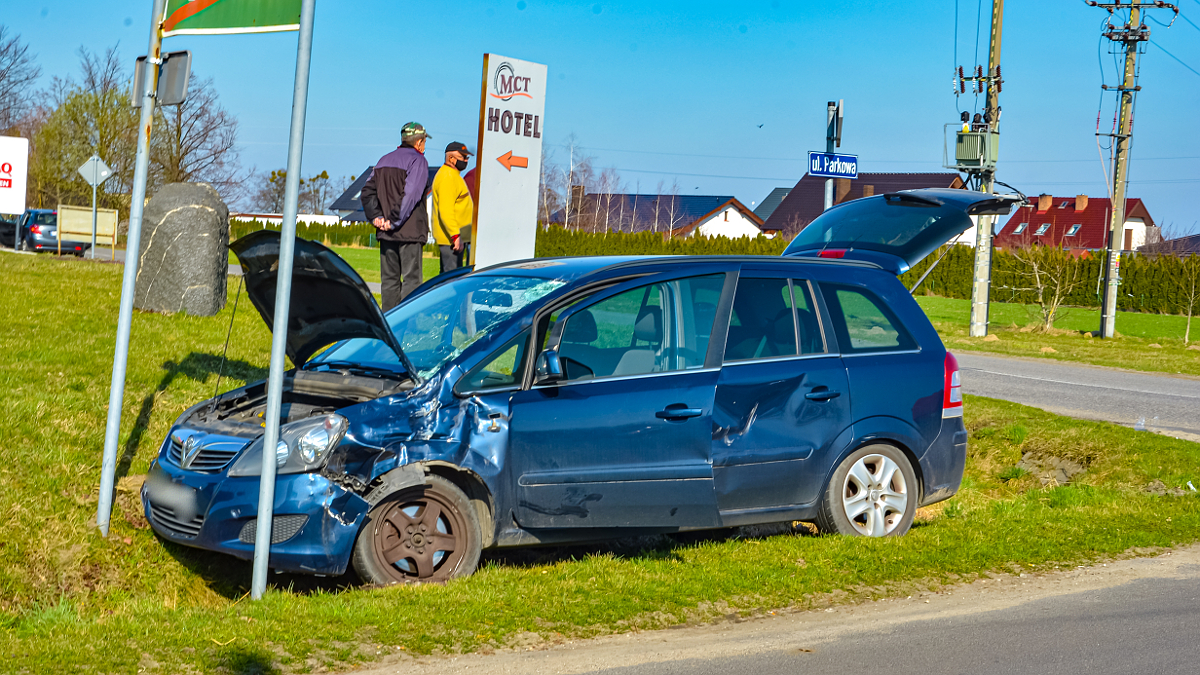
[[680, 413], [822, 394]]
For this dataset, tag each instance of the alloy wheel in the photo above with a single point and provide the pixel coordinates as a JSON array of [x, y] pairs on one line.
[[875, 495]]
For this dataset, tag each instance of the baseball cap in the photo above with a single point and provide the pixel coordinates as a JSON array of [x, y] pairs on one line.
[[458, 147], [413, 132]]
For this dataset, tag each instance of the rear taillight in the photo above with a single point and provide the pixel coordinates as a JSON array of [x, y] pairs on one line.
[[36, 229], [952, 394], [832, 253]]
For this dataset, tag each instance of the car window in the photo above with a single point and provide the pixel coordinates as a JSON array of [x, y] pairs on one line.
[[655, 328], [812, 341], [762, 324], [863, 322], [504, 368]]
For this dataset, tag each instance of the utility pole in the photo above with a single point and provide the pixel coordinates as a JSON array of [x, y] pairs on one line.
[[1131, 34], [835, 112], [981, 284]]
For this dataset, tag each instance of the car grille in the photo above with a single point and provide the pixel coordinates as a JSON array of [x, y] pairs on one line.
[[284, 528], [213, 457], [165, 517]]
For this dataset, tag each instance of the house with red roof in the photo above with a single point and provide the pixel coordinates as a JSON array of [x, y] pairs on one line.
[[1078, 223]]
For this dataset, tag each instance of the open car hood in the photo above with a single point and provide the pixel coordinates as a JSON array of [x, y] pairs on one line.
[[330, 301], [896, 230]]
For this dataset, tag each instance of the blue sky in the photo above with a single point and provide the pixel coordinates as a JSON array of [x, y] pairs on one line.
[[668, 90]]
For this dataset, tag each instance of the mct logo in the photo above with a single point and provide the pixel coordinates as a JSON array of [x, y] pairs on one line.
[[507, 85]]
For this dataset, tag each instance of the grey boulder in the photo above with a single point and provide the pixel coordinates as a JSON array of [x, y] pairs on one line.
[[183, 256]]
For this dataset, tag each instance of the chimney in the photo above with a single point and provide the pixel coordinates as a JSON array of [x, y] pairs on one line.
[[1045, 201], [868, 190], [1080, 202], [841, 188]]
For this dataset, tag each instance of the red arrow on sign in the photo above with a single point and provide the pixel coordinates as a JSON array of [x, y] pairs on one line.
[[509, 161]]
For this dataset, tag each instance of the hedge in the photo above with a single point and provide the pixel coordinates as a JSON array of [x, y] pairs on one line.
[[557, 241], [1145, 281], [350, 234]]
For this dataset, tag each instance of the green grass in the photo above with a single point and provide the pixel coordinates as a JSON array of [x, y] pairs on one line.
[[70, 600], [1149, 342]]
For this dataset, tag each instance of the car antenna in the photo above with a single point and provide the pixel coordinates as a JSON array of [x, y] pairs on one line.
[[225, 352]]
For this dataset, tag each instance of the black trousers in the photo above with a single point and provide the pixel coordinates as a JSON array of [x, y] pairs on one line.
[[399, 270], [451, 259]]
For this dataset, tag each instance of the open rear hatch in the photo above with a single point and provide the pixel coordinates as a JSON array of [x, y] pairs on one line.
[[898, 229], [330, 301]]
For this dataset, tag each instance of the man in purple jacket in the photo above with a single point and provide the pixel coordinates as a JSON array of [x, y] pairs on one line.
[[392, 202]]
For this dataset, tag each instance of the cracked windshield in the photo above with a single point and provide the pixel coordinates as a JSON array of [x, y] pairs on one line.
[[436, 327]]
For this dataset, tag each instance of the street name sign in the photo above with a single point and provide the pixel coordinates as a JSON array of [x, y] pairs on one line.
[[508, 160], [829, 165], [14, 169]]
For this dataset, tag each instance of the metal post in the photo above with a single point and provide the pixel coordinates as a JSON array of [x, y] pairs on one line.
[[830, 119], [981, 283], [116, 394], [283, 296], [1116, 230], [93, 250]]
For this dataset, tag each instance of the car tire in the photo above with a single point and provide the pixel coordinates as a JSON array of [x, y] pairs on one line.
[[873, 493], [421, 534]]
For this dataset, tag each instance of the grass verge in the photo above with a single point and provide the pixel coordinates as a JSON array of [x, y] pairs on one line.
[[69, 599], [1148, 342]]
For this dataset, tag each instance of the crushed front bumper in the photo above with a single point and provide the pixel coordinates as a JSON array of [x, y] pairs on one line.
[[315, 520]]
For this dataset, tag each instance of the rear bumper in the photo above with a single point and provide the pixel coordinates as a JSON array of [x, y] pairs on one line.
[[943, 463]]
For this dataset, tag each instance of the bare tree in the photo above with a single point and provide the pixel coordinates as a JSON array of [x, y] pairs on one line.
[[1051, 273], [1182, 270], [548, 180], [196, 141], [674, 209], [18, 74], [267, 197], [91, 116]]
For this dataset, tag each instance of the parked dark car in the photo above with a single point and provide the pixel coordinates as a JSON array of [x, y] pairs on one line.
[[570, 399], [39, 232]]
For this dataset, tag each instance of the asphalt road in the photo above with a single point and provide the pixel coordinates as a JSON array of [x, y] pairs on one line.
[[1090, 392], [1132, 616]]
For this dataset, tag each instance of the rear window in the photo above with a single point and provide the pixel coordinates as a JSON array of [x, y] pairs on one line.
[[904, 227], [863, 323], [45, 219]]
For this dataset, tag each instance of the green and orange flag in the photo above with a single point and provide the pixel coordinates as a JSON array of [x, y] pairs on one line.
[[223, 17]]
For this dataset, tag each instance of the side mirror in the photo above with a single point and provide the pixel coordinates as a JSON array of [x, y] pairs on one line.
[[548, 369]]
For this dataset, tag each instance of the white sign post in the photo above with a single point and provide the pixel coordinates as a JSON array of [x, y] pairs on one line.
[[508, 160], [14, 170]]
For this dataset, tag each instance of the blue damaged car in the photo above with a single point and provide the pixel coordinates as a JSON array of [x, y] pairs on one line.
[[579, 399]]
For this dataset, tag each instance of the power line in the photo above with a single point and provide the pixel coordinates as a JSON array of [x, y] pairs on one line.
[[1197, 72], [1189, 21]]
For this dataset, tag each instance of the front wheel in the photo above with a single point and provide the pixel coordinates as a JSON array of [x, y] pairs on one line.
[[424, 533], [873, 493]]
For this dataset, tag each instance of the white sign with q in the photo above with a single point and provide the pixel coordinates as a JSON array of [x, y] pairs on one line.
[[14, 167]]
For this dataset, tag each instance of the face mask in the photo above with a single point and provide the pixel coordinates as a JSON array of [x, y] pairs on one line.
[[460, 164]]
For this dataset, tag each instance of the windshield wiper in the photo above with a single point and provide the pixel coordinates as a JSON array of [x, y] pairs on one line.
[[359, 368]]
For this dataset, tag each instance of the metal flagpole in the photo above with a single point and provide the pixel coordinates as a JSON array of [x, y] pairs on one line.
[[116, 394], [283, 296]]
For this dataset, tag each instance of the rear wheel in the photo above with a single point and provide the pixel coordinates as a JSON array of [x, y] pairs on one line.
[[425, 533], [873, 493]]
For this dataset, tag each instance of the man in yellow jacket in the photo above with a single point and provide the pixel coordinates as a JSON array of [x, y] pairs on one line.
[[452, 208]]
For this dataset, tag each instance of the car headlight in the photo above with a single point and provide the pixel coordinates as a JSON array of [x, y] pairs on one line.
[[303, 446]]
